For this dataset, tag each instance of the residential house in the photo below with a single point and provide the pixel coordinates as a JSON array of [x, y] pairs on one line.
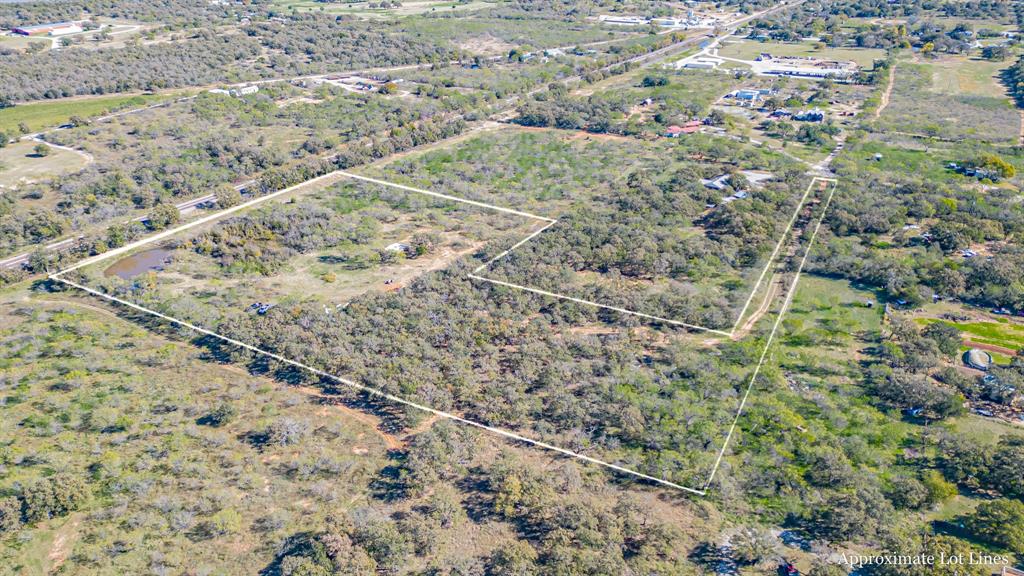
[[814, 115], [689, 127]]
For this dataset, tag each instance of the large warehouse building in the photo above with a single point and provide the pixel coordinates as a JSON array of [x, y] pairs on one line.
[[55, 29]]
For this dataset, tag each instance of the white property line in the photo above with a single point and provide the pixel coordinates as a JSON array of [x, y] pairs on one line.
[[732, 331], [58, 277], [374, 391], [209, 218], [446, 197], [778, 246], [598, 305], [771, 335]]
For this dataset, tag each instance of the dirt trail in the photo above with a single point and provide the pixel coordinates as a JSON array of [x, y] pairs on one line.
[[89, 307], [774, 286], [887, 95], [63, 542], [991, 348]]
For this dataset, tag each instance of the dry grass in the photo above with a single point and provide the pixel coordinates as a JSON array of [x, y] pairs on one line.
[[19, 166]]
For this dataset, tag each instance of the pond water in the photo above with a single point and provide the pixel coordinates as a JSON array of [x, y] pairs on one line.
[[131, 266]]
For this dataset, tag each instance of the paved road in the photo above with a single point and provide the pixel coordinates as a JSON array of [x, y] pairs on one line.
[[184, 207]]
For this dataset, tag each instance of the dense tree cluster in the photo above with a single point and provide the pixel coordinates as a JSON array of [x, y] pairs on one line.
[[1013, 77], [263, 241], [42, 500], [172, 13], [828, 20], [634, 235], [902, 379], [869, 205], [978, 465], [205, 59], [561, 527], [306, 44]]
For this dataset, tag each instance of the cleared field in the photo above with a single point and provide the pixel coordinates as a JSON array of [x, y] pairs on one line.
[[948, 108], [750, 49], [527, 33], [358, 239], [963, 75], [18, 42], [828, 314], [684, 88], [1008, 334], [41, 115], [19, 165]]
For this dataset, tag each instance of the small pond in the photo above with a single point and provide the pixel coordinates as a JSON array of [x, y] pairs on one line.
[[139, 263]]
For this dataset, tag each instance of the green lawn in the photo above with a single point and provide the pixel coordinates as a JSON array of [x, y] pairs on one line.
[[1005, 334], [832, 306], [929, 164], [40, 115], [749, 50]]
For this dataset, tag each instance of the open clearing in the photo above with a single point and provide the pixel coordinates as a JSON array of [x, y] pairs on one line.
[[19, 165], [968, 75], [40, 115], [750, 49], [968, 110]]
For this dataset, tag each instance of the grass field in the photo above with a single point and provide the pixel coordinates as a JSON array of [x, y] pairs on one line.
[[949, 101], [963, 75], [826, 311], [1005, 334], [929, 163], [19, 164], [749, 50], [40, 115], [21, 42], [527, 33], [976, 24]]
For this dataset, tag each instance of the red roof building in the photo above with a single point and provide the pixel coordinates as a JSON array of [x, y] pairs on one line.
[[690, 127]]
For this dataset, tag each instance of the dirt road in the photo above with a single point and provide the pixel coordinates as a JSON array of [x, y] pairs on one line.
[[887, 95]]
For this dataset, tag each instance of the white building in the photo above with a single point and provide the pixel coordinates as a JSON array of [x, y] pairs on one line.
[[623, 20], [244, 90], [702, 63], [65, 30]]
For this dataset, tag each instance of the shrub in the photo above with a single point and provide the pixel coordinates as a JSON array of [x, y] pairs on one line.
[[53, 497]]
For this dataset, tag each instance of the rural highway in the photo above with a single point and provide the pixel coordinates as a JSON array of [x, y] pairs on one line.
[[184, 207]]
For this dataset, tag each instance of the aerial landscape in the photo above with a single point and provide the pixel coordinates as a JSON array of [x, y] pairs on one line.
[[512, 287]]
